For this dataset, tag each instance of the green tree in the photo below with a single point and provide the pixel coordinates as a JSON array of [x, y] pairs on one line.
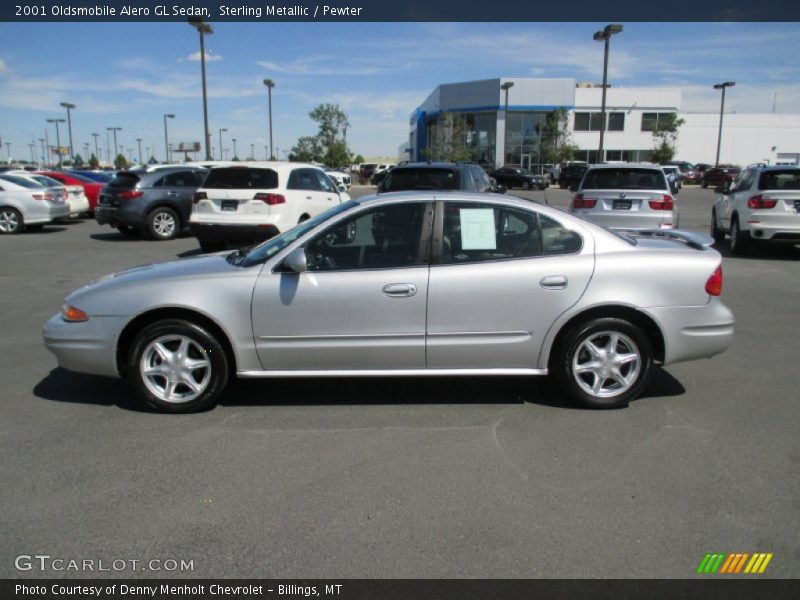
[[665, 134], [235, 159], [93, 162], [358, 159], [120, 162], [447, 139], [332, 122], [557, 144], [337, 155], [307, 149]]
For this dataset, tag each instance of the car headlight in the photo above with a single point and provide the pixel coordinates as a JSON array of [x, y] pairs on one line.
[[71, 314]]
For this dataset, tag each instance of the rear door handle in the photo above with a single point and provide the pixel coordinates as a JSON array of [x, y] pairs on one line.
[[399, 290], [553, 282]]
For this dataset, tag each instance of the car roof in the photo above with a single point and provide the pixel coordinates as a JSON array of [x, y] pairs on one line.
[[639, 165], [267, 164]]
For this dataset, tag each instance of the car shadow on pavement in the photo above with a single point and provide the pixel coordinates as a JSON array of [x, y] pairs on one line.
[[61, 385], [763, 251], [46, 229]]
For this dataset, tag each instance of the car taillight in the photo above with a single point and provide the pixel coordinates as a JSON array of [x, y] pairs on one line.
[[38, 196], [714, 283], [666, 203], [580, 202], [130, 194], [270, 199], [197, 196], [45, 196], [758, 202]]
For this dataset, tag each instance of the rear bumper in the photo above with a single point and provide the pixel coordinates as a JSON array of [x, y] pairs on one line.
[[785, 229], [692, 332], [78, 205], [233, 233], [48, 214], [87, 347], [112, 215]]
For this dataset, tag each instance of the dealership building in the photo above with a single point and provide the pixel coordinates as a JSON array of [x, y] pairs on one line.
[[497, 137]]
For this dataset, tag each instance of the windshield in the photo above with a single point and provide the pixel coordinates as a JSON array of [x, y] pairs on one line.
[[262, 252], [624, 179], [420, 179], [45, 180], [780, 180]]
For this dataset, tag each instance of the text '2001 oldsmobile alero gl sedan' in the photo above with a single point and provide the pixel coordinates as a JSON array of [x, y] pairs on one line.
[[407, 284]]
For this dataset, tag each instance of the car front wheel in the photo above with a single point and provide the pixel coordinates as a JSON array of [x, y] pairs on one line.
[[178, 367], [603, 363], [716, 232]]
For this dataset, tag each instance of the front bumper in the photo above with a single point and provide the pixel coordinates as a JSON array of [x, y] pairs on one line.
[[86, 347], [692, 332]]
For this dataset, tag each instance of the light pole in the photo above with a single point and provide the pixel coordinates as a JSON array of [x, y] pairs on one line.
[[31, 146], [252, 152], [721, 86], [203, 29], [220, 143], [69, 106], [116, 148], [96, 150], [58, 137], [505, 87], [44, 160], [166, 137], [8, 148], [139, 141], [270, 84], [235, 156], [86, 150], [108, 146], [266, 152], [604, 36]]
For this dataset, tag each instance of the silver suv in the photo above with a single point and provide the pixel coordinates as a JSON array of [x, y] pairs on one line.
[[627, 196], [761, 204]]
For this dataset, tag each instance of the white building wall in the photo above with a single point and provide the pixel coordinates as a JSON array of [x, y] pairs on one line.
[[746, 138]]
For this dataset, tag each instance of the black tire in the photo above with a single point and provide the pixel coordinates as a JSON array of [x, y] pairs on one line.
[[128, 231], [201, 347], [570, 351], [716, 232], [34, 228], [11, 221], [740, 240], [162, 224], [211, 245], [528, 185]]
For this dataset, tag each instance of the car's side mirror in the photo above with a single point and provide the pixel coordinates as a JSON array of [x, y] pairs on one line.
[[296, 261], [342, 189]]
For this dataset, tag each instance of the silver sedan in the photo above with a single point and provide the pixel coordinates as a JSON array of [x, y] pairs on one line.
[[407, 284]]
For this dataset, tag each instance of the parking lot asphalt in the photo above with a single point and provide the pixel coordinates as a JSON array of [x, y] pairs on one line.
[[456, 477]]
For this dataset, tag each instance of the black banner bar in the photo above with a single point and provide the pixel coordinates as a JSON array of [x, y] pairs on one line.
[[407, 10], [739, 588]]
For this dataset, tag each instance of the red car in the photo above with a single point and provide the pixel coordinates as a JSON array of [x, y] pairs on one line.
[[719, 175], [90, 187]]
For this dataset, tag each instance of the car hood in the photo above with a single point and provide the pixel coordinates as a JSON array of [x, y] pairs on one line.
[[98, 297]]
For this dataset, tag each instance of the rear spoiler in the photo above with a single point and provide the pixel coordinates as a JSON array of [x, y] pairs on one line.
[[698, 241]]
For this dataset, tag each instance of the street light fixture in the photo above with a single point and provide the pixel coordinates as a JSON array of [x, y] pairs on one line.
[[69, 106], [58, 137], [270, 84], [166, 137], [220, 142], [505, 87], [604, 36], [203, 29], [721, 86]]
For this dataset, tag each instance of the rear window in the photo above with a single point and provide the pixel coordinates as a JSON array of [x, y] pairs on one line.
[[22, 181], [780, 180], [421, 179], [124, 180], [241, 178], [624, 179]]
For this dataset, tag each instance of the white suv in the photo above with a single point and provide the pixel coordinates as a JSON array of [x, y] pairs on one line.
[[256, 201], [762, 204]]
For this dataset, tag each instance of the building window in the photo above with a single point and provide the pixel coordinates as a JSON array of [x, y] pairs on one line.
[[592, 121], [651, 120], [613, 154]]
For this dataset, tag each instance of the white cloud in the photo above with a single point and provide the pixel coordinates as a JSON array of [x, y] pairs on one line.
[[3, 66], [195, 57]]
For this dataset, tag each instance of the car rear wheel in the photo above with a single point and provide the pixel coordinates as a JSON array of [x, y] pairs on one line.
[[740, 240], [163, 224], [716, 232], [10, 221], [177, 366], [603, 363]]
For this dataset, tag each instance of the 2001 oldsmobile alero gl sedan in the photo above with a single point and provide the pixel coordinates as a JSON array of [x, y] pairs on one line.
[[407, 284]]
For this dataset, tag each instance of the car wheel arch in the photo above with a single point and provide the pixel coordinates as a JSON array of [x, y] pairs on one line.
[[135, 325], [633, 315]]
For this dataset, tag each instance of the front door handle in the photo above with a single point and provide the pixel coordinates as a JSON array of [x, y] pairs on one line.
[[172, 194], [399, 290], [553, 282]]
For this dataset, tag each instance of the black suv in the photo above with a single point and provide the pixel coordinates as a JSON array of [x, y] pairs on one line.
[[512, 177], [157, 202], [571, 175], [438, 176]]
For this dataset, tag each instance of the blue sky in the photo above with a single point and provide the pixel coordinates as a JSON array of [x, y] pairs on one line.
[[130, 74]]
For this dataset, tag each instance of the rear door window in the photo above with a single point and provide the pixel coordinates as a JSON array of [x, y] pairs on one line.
[[180, 179], [304, 179], [239, 178], [124, 180]]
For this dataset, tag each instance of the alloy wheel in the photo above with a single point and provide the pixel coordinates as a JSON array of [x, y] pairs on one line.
[[175, 368], [9, 221], [606, 364]]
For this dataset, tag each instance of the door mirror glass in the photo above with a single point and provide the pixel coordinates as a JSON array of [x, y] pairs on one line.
[[296, 261]]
